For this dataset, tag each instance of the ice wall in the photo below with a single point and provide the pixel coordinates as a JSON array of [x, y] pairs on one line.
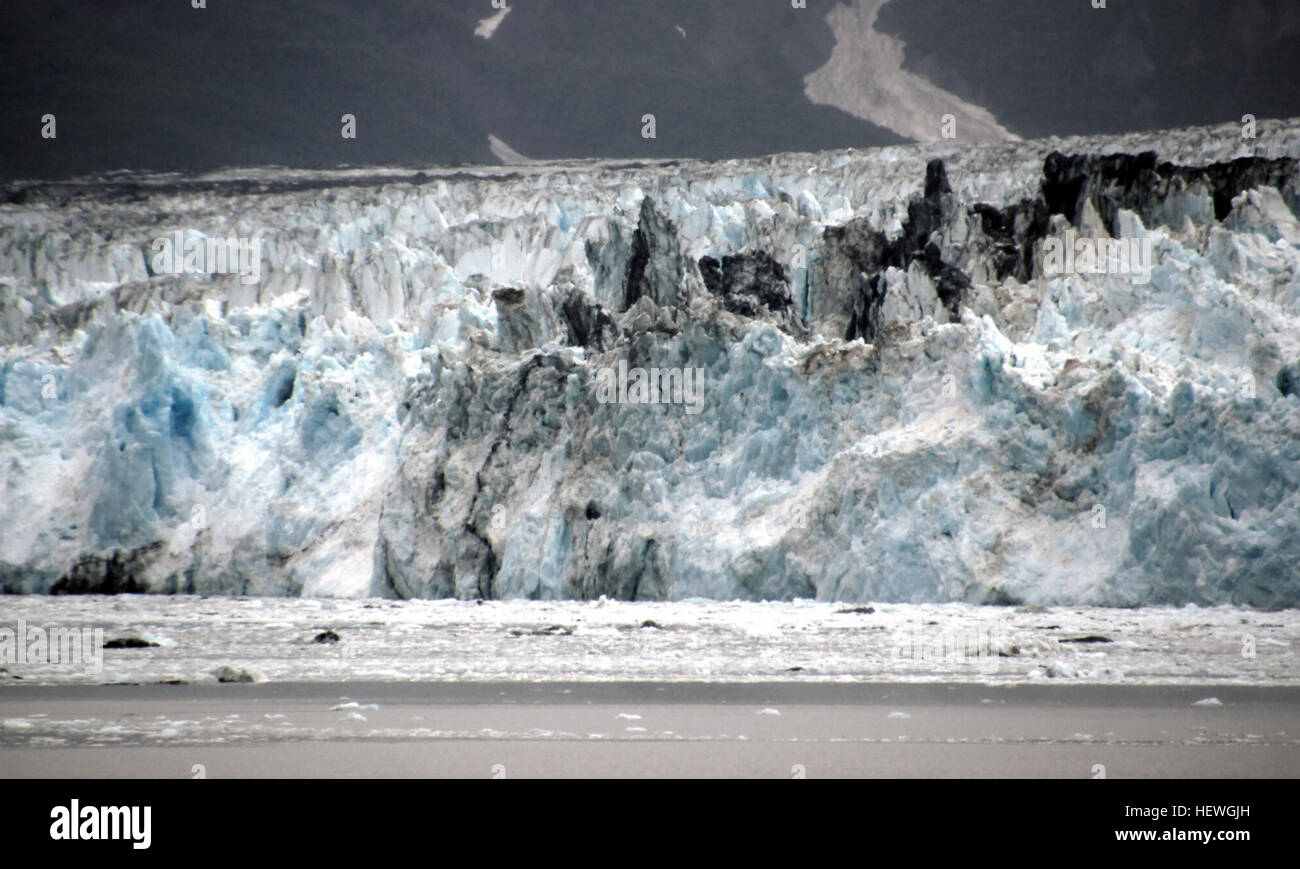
[[895, 401]]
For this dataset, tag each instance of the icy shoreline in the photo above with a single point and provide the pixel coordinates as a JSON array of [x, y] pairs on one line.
[[703, 641]]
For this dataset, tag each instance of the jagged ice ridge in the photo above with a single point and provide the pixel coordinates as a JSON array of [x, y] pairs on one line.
[[898, 404]]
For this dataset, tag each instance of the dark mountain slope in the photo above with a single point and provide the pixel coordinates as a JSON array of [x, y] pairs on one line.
[[155, 84], [1061, 67]]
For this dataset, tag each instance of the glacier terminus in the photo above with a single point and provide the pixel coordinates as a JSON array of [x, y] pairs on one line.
[[867, 385]]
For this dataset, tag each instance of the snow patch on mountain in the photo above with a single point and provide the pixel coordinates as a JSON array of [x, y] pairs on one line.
[[865, 77], [488, 26], [503, 152]]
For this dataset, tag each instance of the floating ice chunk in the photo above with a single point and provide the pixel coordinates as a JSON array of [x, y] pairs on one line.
[[1060, 670]]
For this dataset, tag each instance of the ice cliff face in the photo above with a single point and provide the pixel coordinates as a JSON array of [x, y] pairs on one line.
[[898, 399]]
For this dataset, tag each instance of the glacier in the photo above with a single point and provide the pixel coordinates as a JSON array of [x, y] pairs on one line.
[[898, 403]]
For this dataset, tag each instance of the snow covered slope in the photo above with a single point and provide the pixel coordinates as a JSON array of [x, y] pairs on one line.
[[865, 77], [898, 401]]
